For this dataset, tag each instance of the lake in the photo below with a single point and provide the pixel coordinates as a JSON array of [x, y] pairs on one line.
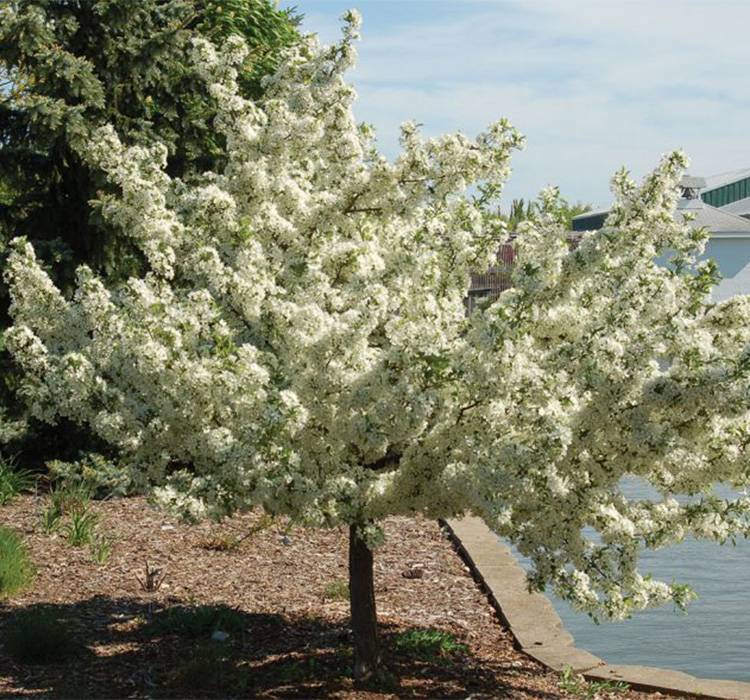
[[711, 641]]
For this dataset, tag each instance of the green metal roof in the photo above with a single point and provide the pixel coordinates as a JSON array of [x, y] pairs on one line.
[[727, 193]]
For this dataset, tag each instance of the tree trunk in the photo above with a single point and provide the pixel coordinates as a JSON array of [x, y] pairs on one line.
[[364, 617]]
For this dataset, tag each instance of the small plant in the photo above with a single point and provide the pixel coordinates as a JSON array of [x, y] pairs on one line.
[[70, 499], [152, 579], [50, 519], [336, 590], [428, 644], [38, 637], [264, 522], [12, 480], [16, 570], [575, 684], [101, 548], [197, 622], [81, 527]]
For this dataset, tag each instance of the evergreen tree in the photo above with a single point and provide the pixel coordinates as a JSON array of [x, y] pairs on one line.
[[69, 67], [66, 68], [522, 210]]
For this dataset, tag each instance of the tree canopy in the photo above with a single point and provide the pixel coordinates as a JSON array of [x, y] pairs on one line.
[[300, 342]]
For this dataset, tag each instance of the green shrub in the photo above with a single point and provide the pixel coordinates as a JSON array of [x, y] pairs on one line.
[[94, 473], [428, 644], [16, 570], [12, 480], [38, 637], [197, 622]]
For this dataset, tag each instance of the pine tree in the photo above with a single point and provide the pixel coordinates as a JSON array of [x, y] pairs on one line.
[[70, 67], [66, 68]]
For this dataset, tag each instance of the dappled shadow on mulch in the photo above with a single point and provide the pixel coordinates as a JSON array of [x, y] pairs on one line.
[[284, 592], [120, 651]]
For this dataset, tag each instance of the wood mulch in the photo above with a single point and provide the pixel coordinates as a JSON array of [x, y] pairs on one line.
[[285, 588]]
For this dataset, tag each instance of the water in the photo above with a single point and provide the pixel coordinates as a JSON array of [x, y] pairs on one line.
[[711, 641]]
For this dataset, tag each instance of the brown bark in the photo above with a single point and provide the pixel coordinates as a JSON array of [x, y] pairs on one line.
[[364, 616]]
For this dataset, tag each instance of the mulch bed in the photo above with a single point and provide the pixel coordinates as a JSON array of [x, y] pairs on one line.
[[289, 635]]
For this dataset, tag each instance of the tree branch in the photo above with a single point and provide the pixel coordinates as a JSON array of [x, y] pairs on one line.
[[364, 210], [466, 408]]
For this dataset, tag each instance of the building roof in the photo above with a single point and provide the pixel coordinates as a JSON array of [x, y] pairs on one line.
[[732, 218], [718, 221], [741, 207], [715, 181], [590, 220], [598, 211]]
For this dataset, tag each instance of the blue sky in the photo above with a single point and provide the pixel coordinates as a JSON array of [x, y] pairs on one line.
[[593, 85]]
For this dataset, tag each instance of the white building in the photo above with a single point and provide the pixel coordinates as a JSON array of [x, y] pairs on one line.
[[729, 224]]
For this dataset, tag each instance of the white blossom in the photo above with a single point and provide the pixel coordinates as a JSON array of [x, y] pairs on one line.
[[301, 343]]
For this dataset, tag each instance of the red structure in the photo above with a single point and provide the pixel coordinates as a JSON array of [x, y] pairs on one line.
[[489, 284]]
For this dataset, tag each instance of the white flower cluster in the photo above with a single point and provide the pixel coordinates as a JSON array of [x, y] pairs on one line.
[[301, 341]]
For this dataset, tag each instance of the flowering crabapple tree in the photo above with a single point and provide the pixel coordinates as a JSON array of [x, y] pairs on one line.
[[301, 343]]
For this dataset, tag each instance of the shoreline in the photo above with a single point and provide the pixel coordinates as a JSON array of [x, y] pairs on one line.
[[539, 631]]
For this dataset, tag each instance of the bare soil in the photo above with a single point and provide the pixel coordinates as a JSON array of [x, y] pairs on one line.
[[286, 587]]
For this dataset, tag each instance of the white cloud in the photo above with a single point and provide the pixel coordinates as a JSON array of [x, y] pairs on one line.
[[593, 85]]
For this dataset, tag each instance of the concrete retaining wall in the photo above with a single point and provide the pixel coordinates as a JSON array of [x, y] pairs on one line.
[[539, 631]]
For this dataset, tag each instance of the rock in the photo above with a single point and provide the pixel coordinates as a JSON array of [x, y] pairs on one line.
[[219, 636]]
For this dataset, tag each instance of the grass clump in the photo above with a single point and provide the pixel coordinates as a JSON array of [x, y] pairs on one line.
[[428, 644], [336, 590], [64, 501], [70, 498], [68, 510], [16, 570], [50, 519], [101, 548], [12, 480], [38, 637], [576, 685], [81, 527], [197, 622]]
